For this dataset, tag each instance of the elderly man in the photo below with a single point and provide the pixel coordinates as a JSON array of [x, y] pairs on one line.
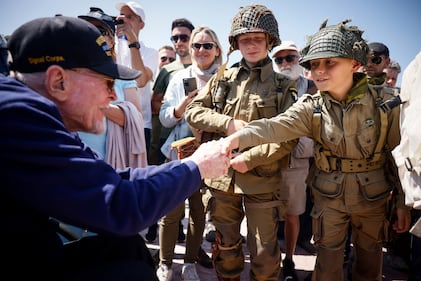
[[48, 173]]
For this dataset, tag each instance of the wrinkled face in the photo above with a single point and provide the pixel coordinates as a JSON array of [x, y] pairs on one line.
[[180, 37], [287, 63], [204, 50], [91, 92], [376, 64], [391, 77], [253, 46]]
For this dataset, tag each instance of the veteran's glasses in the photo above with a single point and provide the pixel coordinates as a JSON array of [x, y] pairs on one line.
[[183, 37], [206, 46], [288, 58], [110, 81]]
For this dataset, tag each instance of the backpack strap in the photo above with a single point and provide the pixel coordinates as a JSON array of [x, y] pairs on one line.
[[317, 115], [383, 124]]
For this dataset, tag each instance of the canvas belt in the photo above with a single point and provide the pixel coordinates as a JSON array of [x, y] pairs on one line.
[[355, 165]]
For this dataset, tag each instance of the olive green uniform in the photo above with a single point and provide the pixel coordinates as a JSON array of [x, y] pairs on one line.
[[347, 186], [251, 94]]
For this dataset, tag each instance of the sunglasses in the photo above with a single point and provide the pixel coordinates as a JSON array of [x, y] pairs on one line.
[[103, 31], [164, 59], [376, 60], [110, 81], [288, 58], [206, 46], [183, 37]]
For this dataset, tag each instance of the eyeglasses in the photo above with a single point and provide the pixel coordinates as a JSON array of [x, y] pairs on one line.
[[183, 37], [110, 81], [376, 60], [288, 58], [206, 46], [164, 59]]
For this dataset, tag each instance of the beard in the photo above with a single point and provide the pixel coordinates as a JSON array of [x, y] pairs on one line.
[[292, 71]]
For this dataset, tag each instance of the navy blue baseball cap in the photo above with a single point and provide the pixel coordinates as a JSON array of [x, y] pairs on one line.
[[65, 41]]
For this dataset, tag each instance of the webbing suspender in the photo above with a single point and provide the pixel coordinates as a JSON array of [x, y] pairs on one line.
[[316, 128]]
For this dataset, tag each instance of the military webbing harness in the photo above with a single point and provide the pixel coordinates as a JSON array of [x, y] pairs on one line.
[[333, 163], [219, 100]]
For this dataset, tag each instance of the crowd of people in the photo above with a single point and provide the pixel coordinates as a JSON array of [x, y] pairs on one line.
[[312, 146]]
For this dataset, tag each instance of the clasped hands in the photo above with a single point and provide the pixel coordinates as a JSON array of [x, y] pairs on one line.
[[215, 157]]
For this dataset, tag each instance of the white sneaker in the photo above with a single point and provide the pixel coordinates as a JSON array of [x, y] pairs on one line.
[[189, 273], [164, 273]]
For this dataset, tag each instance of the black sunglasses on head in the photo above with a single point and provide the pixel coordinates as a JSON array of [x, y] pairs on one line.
[[103, 31], [376, 60], [206, 46], [183, 37], [288, 58], [164, 59]]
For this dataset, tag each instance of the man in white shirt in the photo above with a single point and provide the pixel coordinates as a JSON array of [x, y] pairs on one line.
[[134, 53]]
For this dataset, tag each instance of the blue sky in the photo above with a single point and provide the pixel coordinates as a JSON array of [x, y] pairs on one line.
[[395, 23]]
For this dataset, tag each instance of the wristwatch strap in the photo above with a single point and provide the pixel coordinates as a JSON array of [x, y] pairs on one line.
[[134, 45]]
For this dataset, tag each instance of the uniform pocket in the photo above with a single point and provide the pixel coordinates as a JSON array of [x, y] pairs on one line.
[[229, 107], [328, 184], [367, 138], [373, 185], [263, 106]]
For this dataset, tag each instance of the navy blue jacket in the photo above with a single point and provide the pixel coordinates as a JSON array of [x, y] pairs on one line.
[[46, 171]]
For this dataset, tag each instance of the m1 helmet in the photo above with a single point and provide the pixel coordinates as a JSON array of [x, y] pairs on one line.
[[335, 41], [254, 18]]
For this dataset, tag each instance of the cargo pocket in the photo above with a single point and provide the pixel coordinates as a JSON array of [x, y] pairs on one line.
[[328, 184], [373, 185]]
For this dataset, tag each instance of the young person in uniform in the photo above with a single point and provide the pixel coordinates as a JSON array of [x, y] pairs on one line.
[[352, 138]]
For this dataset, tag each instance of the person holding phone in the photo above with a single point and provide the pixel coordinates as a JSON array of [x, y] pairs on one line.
[[206, 54]]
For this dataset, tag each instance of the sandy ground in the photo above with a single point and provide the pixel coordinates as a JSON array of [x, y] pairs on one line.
[[304, 262]]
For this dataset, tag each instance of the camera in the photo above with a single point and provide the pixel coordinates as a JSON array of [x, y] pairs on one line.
[[189, 85], [120, 21]]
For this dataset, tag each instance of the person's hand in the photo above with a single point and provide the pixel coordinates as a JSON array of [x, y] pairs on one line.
[[238, 163], [235, 125], [228, 144], [180, 108], [126, 29], [403, 222], [211, 161]]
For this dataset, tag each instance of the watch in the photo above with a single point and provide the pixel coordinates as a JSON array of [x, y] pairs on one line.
[[134, 45]]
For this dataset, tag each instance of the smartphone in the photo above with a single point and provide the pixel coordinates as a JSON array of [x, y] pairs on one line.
[[189, 85]]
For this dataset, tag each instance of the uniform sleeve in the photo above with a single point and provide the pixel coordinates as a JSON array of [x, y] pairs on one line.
[[200, 113], [292, 124]]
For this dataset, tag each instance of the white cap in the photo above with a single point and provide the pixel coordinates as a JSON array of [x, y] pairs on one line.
[[135, 7], [285, 45]]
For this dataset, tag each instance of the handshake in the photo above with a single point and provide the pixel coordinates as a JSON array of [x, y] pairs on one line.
[[211, 157]]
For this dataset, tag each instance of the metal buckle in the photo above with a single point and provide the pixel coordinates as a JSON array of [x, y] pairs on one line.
[[408, 164]]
